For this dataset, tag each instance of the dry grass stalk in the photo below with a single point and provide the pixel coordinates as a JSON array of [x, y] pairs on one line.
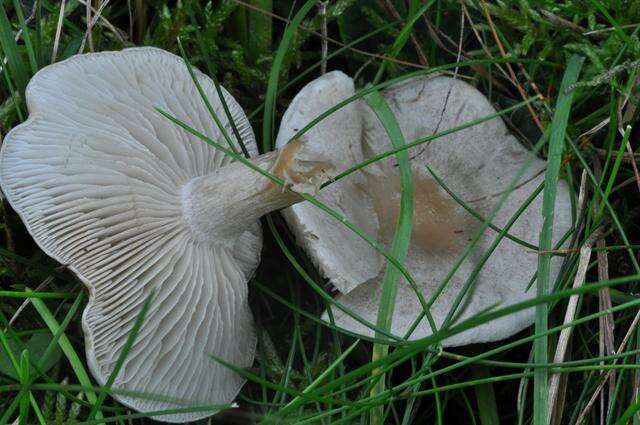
[[512, 74], [56, 41], [606, 323], [422, 58], [570, 314], [605, 378]]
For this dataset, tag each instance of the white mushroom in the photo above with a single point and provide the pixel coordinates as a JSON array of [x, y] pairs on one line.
[[344, 258], [133, 204], [477, 164]]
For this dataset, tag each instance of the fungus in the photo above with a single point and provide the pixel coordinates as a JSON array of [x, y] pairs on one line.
[[342, 256], [477, 164], [133, 204]]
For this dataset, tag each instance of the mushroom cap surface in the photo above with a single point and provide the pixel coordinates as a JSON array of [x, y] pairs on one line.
[[477, 164], [96, 175], [343, 257]]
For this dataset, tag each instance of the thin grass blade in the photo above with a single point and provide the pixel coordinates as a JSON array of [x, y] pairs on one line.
[[552, 174]]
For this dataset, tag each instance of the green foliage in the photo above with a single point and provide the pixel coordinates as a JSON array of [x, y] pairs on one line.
[[549, 30], [307, 372], [35, 346]]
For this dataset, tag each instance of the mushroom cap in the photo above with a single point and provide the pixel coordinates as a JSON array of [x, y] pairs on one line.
[[96, 175], [477, 164], [343, 257]]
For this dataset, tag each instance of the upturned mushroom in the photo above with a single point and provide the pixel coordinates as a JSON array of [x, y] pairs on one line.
[[477, 164], [134, 204]]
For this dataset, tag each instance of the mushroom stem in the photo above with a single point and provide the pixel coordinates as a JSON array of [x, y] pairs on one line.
[[223, 204]]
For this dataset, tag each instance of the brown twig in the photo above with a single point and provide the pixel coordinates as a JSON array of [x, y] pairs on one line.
[[98, 17], [603, 381], [624, 184], [479, 68], [436, 34], [561, 22], [598, 31], [483, 45], [391, 9], [627, 157], [512, 74]]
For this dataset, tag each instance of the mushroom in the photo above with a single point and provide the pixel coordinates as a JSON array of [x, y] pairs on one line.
[[136, 205], [477, 164], [342, 256]]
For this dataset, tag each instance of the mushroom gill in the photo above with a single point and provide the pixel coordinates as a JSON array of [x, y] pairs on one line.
[[137, 206]]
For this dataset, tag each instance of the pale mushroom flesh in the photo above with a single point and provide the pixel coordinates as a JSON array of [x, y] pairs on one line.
[[343, 257], [477, 164], [136, 205]]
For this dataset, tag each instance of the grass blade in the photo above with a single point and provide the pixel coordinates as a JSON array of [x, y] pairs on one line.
[[401, 239], [68, 350], [274, 75], [26, 35], [17, 67], [552, 173], [402, 38], [260, 29], [486, 398], [297, 401]]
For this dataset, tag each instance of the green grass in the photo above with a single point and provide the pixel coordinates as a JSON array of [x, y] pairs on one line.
[[557, 132], [578, 55], [399, 245]]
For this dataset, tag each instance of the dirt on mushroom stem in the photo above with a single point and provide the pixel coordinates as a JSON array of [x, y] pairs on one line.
[[223, 204]]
